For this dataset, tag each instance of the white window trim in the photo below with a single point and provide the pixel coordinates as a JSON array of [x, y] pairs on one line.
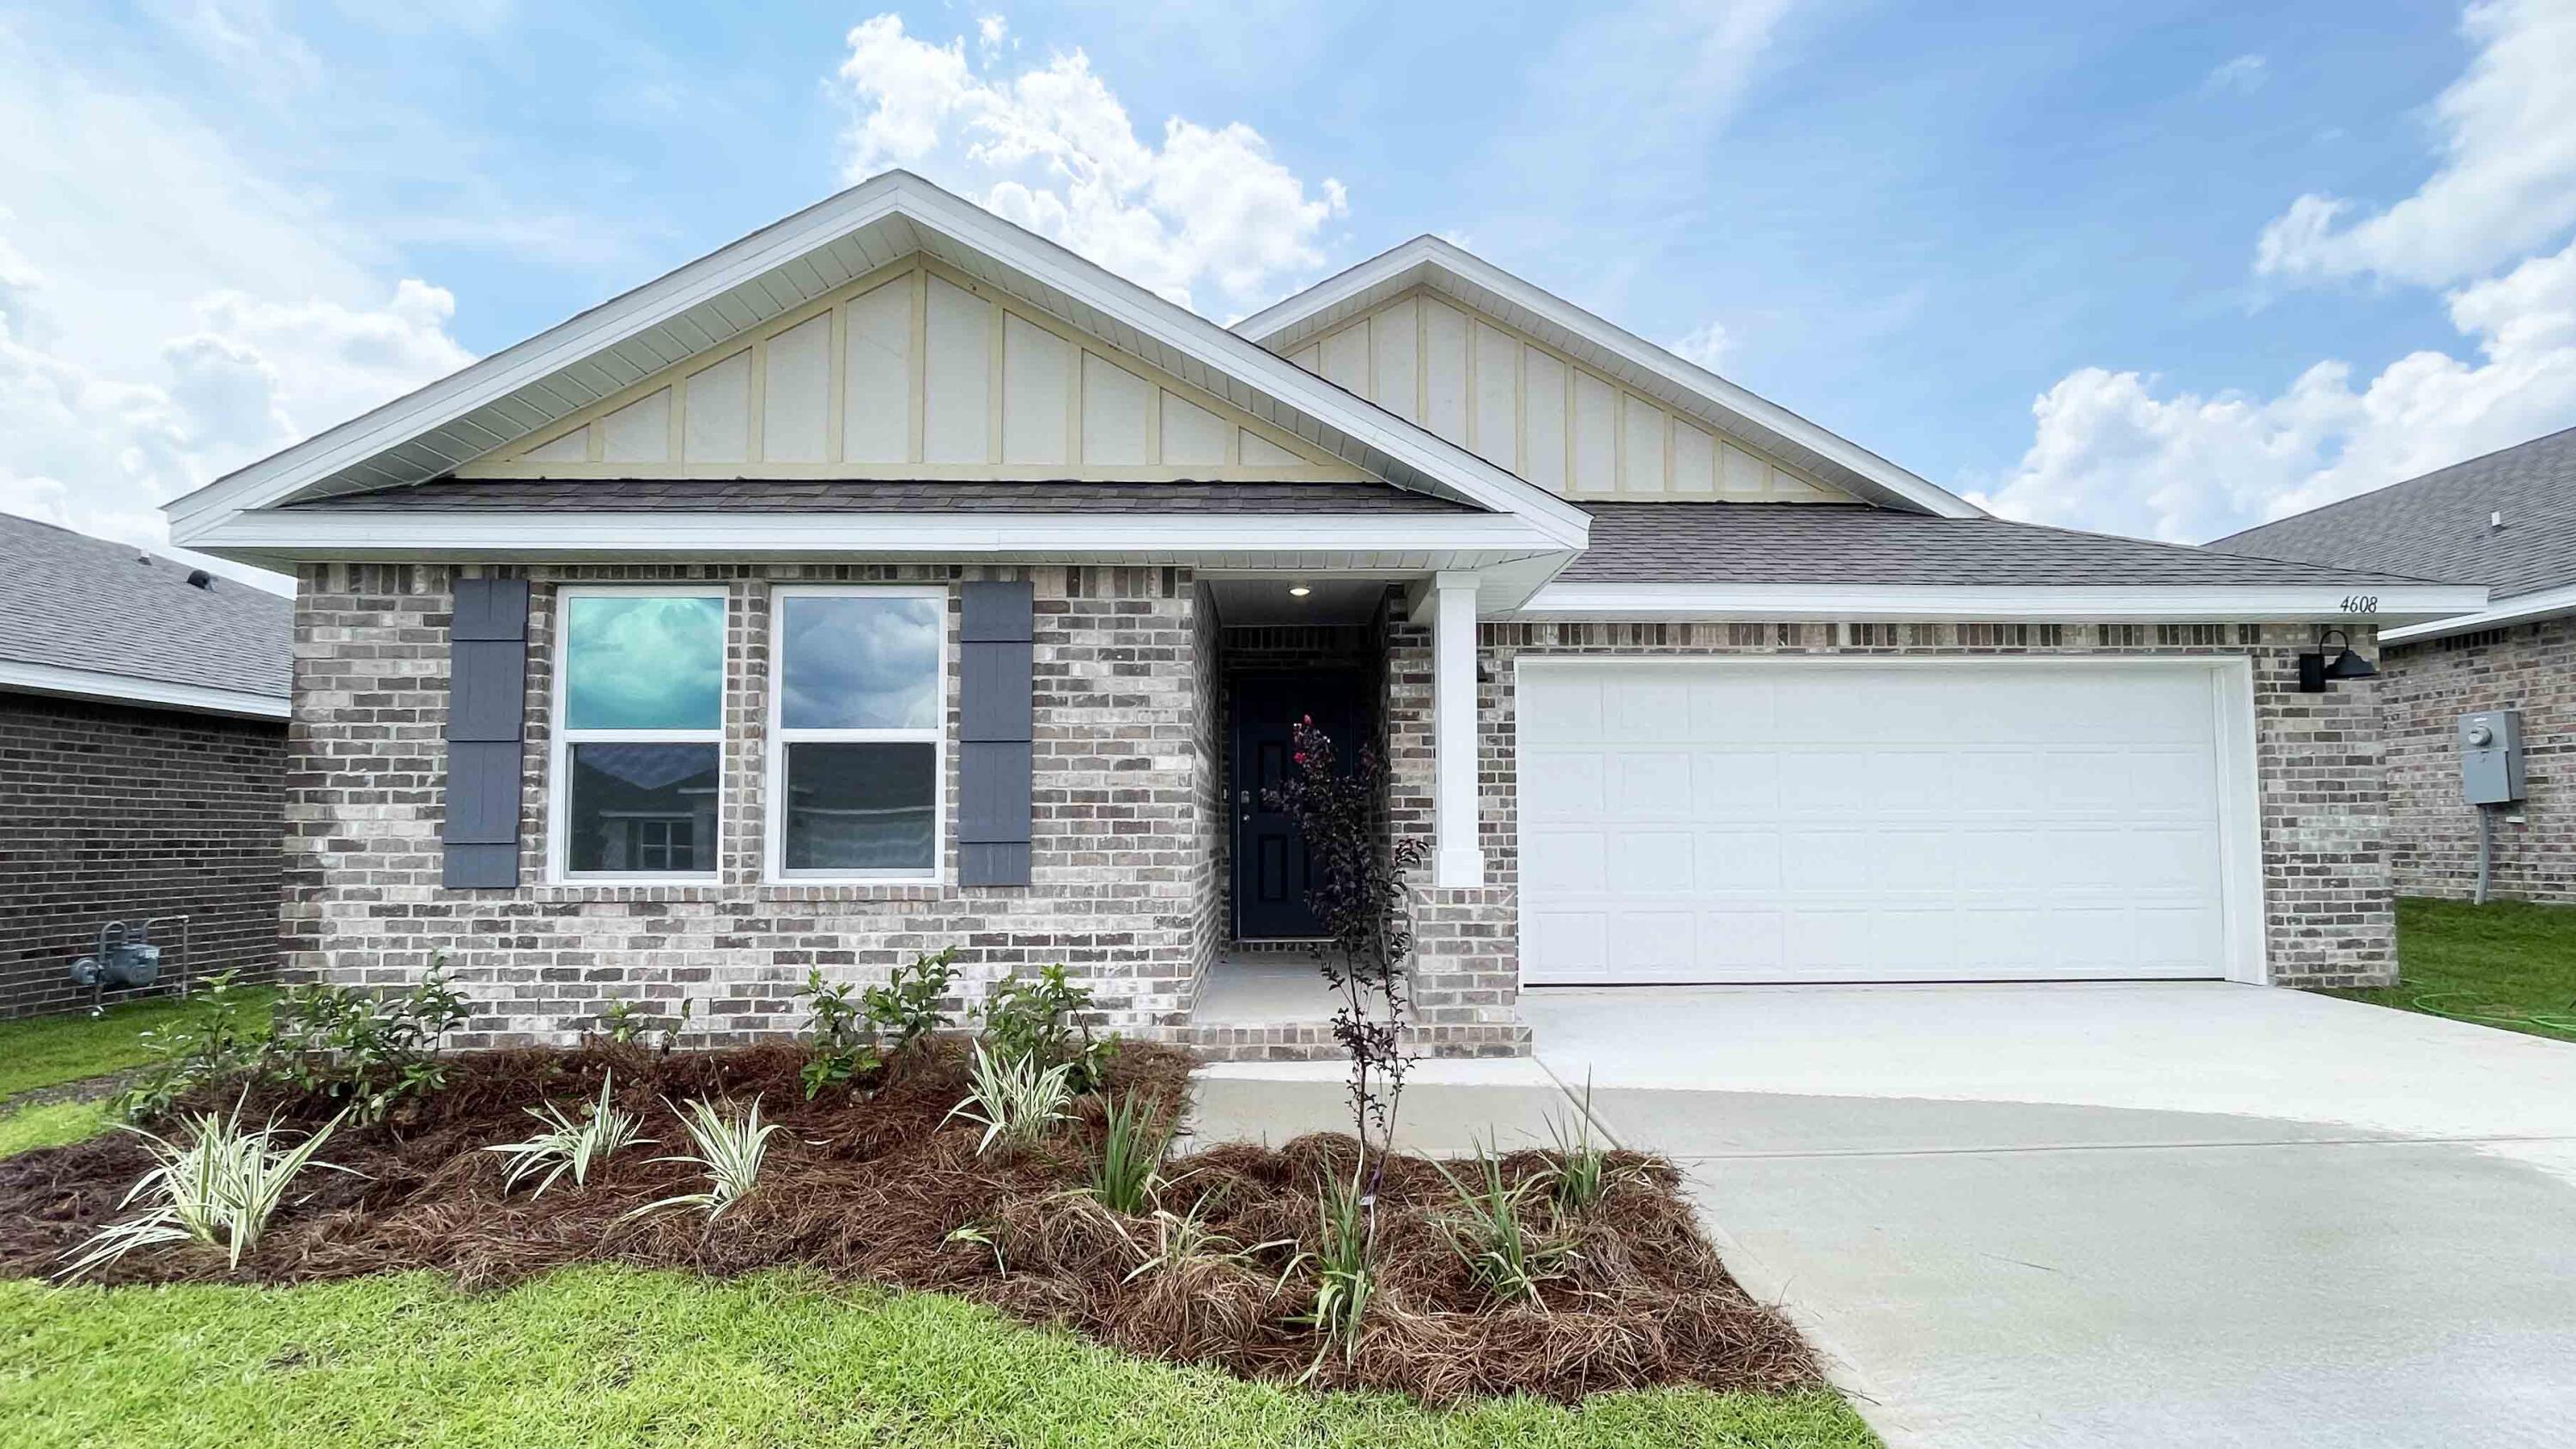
[[774, 817], [561, 739]]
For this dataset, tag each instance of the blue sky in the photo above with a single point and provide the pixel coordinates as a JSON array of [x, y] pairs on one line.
[[2054, 256]]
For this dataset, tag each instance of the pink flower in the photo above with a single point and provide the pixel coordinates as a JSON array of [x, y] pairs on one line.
[[1301, 757]]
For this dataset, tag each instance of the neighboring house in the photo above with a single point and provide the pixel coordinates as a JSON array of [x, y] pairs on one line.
[[2507, 521], [893, 579], [143, 709]]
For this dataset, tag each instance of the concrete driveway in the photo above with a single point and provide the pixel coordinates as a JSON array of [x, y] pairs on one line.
[[2154, 1215]]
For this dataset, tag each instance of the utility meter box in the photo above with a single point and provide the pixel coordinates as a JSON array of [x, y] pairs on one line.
[[2491, 756]]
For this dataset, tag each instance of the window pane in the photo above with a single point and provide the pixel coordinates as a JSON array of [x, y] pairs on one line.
[[642, 808], [637, 662], [861, 807], [856, 662]]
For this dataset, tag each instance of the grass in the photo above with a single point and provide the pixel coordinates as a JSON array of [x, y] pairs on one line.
[[2505, 964], [47, 1051], [614, 1356], [53, 1124]]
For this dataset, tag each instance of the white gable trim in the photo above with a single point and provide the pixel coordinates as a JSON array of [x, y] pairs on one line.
[[2520, 609], [892, 197], [2026, 601], [1560, 323]]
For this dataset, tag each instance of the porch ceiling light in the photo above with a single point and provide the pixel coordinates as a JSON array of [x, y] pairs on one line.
[[2316, 671], [1298, 591]]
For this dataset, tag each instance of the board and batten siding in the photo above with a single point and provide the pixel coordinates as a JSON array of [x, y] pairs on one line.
[[1522, 405], [913, 370]]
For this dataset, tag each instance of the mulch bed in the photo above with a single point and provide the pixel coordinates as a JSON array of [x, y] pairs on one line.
[[870, 1185]]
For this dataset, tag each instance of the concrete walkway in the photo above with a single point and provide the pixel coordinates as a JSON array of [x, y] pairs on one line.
[[2152, 1215]]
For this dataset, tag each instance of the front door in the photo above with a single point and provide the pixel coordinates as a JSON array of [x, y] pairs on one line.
[[1270, 865]]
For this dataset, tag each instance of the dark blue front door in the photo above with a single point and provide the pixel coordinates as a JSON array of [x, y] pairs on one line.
[[1270, 865]]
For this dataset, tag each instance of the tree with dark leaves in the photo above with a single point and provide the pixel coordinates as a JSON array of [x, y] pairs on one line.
[[1356, 890]]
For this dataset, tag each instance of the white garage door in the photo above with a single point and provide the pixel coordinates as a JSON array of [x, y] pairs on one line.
[[1690, 821]]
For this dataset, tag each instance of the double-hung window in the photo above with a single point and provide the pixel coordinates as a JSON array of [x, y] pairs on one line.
[[857, 732], [639, 733]]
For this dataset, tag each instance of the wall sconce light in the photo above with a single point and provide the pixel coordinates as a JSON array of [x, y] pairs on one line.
[[2316, 671]]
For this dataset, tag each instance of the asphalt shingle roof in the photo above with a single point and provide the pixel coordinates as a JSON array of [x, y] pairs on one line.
[[2438, 525], [77, 602], [1820, 543], [871, 496]]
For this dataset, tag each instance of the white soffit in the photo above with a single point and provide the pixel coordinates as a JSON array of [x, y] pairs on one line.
[[1692, 390], [513, 393]]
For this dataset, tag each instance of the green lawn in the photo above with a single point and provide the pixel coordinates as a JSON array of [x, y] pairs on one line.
[[2507, 964], [46, 1051], [611, 1356]]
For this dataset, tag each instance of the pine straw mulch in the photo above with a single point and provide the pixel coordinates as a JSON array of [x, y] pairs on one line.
[[870, 1186]]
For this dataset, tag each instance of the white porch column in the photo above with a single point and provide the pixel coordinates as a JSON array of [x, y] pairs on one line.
[[1461, 861]]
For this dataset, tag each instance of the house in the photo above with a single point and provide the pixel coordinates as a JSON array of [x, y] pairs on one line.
[[2507, 521], [143, 713], [893, 579]]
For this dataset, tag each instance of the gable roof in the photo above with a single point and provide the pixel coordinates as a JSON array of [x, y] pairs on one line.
[[1428, 261], [796, 495], [86, 617], [2441, 525], [699, 306]]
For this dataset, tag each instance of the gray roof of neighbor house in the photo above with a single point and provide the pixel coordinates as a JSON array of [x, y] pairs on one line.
[[1819, 543], [70, 601], [709, 495], [2441, 525]]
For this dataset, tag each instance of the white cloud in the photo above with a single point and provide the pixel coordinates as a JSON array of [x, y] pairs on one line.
[[2243, 74], [175, 313], [2506, 183], [1052, 149], [1705, 345], [2111, 453]]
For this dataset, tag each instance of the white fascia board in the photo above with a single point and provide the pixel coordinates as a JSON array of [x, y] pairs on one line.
[[1433, 252], [279, 476], [1902, 601], [2520, 609], [53, 679], [313, 534]]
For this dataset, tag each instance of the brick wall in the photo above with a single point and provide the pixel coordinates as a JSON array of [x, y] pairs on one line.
[[2433, 836], [110, 812], [1118, 862], [2329, 918]]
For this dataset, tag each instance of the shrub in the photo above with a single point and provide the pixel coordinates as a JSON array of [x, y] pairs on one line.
[[624, 1021], [1041, 1021], [220, 1189], [569, 1146], [368, 1051], [1490, 1234], [218, 1045], [1014, 1098], [1582, 1175], [853, 1038], [730, 1152], [1131, 1157]]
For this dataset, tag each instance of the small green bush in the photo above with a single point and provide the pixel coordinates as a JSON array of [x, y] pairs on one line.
[[1131, 1157], [857, 1031], [1013, 1098], [220, 1189], [367, 1052], [1041, 1021]]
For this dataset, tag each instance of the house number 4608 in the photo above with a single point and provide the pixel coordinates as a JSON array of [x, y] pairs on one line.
[[2361, 603]]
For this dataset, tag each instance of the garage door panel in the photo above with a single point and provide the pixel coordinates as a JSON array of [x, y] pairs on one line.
[[1854, 823]]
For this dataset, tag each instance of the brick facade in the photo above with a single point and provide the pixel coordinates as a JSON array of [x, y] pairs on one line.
[[2433, 837], [112, 812], [1118, 873], [1131, 817]]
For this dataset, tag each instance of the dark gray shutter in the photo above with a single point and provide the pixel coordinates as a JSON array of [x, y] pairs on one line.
[[995, 765], [487, 695]]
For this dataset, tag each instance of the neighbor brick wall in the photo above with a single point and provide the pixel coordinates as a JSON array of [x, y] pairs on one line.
[[2329, 916], [112, 812], [1118, 860], [2433, 836]]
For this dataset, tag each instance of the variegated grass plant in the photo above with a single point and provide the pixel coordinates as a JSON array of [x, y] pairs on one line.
[[220, 1188], [1013, 1098], [571, 1146], [730, 1149]]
